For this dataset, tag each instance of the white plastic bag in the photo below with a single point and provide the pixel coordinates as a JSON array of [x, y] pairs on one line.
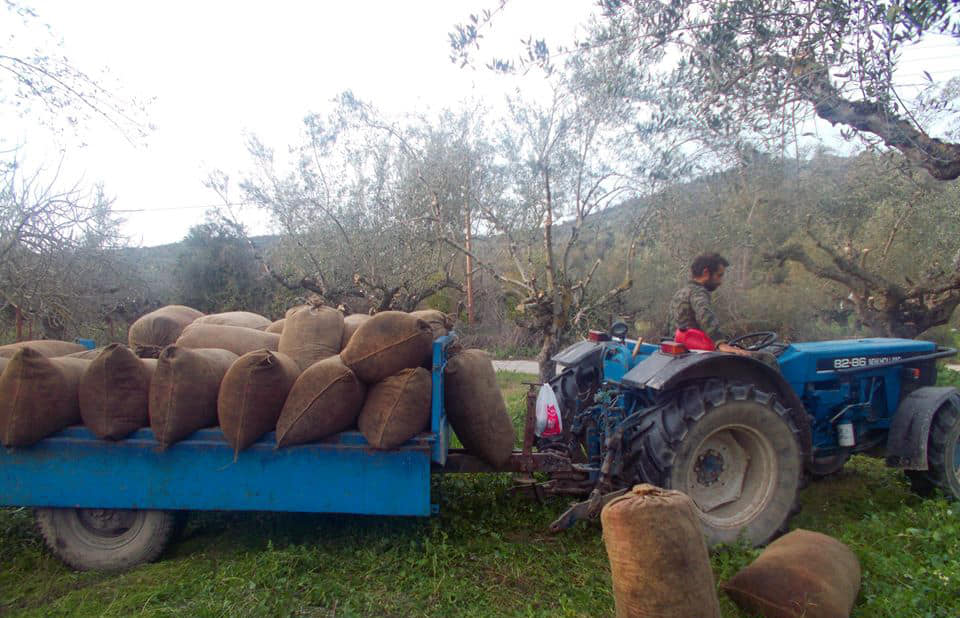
[[549, 421]]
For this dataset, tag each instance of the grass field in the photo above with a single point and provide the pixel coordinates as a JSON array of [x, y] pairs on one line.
[[485, 554]]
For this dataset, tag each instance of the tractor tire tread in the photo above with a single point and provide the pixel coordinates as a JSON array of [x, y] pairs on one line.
[[671, 421], [945, 422]]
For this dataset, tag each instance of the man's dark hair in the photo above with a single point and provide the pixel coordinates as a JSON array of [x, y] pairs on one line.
[[711, 261]]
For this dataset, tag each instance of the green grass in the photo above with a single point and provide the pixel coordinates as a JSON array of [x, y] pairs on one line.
[[486, 554]]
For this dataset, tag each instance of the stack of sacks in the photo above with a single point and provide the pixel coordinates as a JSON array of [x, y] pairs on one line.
[[245, 319], [237, 339], [184, 390], [386, 352], [38, 396], [318, 375], [114, 391], [160, 328]]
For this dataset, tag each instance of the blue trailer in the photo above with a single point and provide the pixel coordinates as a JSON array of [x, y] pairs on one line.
[[110, 505]]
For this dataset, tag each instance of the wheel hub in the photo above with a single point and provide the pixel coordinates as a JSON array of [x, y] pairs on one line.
[[709, 467], [106, 522], [719, 470]]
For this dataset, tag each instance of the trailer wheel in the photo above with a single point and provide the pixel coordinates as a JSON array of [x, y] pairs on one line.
[[943, 450], [105, 539], [733, 449]]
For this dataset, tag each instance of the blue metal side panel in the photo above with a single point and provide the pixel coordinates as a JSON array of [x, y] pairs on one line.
[[340, 475], [438, 413]]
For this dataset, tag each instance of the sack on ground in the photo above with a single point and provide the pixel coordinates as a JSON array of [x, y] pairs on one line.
[[114, 391], [160, 328], [50, 348], [350, 325], [276, 326], [396, 409], [658, 557], [802, 573], [183, 392], [476, 408], [237, 339], [386, 344], [311, 334], [38, 396], [440, 323], [325, 399], [246, 319], [252, 395]]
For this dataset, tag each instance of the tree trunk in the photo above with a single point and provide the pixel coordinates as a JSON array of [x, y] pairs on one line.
[[547, 349]]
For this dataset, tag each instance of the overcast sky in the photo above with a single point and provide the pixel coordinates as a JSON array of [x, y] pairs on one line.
[[219, 71]]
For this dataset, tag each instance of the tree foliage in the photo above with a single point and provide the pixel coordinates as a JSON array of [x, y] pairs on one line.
[[728, 72], [39, 81], [58, 251], [215, 272]]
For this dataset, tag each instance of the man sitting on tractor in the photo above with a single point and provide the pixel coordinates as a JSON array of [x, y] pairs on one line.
[[695, 324], [691, 309]]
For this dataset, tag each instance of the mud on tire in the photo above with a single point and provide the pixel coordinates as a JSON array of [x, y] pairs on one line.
[[729, 446]]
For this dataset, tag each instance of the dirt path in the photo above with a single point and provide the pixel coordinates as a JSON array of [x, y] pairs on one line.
[[519, 366]]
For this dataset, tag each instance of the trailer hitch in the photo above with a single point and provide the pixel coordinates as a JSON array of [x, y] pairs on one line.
[[588, 509]]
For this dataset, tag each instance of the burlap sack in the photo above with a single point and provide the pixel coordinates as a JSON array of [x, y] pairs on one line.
[[311, 334], [276, 326], [291, 310], [440, 323], [38, 396], [252, 395], [183, 392], [396, 408], [150, 333], [45, 347], [658, 557], [385, 344], [86, 354], [237, 339], [325, 399], [113, 392], [350, 325], [245, 319], [802, 573], [476, 409]]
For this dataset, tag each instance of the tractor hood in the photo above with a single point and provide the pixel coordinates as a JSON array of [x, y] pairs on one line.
[[844, 354]]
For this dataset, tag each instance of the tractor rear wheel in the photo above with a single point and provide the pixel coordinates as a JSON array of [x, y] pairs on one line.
[[943, 450], [733, 449], [105, 539]]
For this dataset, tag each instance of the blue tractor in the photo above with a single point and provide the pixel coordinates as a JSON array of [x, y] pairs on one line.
[[739, 435]]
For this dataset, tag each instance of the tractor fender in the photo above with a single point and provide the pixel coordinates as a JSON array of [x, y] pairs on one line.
[[910, 428], [664, 372]]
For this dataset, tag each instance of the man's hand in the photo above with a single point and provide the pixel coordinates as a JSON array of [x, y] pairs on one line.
[[732, 350]]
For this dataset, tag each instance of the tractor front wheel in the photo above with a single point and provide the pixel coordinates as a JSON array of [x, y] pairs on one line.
[[943, 450], [730, 447]]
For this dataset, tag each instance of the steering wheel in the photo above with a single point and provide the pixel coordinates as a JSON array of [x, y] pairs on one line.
[[619, 330], [763, 339]]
